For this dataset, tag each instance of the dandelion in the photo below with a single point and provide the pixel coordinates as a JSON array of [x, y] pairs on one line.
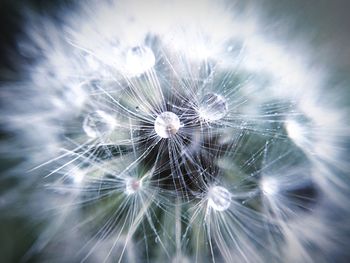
[[156, 133]]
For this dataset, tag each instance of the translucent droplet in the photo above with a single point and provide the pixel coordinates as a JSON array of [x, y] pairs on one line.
[[180, 259], [98, 123], [139, 59], [212, 107], [296, 132], [167, 124], [219, 198], [92, 62], [77, 176], [132, 185], [269, 186]]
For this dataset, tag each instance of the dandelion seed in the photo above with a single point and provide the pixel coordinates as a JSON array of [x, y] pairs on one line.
[[98, 123], [167, 124], [219, 198]]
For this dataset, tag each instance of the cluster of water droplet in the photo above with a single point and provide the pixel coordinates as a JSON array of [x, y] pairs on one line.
[[169, 133]]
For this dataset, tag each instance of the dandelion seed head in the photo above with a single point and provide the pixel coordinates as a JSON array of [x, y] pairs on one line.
[[167, 124], [212, 107], [98, 123], [131, 73], [219, 198]]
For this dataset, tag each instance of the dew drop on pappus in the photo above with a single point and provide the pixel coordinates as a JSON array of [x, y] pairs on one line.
[[98, 123]]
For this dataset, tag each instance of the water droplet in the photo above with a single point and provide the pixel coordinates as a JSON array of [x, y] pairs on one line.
[[212, 107], [98, 123], [219, 198], [269, 186], [296, 131], [139, 59], [167, 124], [78, 176]]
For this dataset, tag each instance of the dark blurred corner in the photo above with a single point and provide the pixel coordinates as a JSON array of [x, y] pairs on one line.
[[13, 15], [17, 233]]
